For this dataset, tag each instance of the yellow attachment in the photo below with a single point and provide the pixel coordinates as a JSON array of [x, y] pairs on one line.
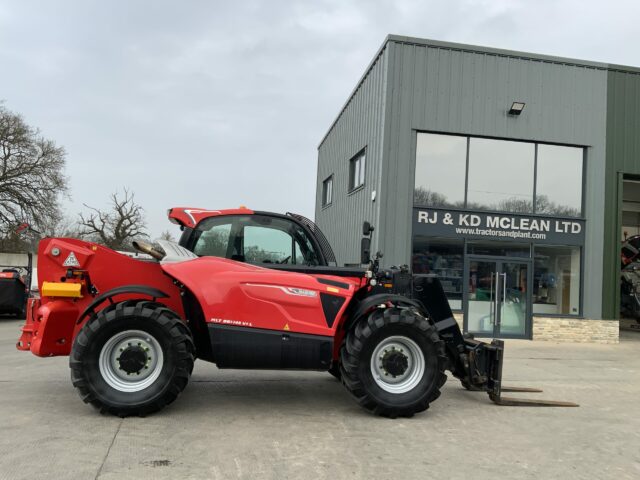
[[60, 289]]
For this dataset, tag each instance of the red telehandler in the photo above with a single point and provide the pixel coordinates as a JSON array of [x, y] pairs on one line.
[[256, 290]]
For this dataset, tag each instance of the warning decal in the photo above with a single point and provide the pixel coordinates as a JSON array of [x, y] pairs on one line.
[[71, 261]]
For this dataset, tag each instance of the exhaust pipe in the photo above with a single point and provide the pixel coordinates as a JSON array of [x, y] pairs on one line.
[[147, 248]]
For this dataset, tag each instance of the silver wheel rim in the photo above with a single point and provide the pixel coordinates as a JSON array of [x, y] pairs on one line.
[[109, 361], [414, 372]]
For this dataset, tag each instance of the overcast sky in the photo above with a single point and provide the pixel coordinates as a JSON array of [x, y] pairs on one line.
[[216, 104]]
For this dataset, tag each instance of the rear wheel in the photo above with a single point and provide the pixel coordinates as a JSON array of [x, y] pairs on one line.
[[392, 362], [133, 358]]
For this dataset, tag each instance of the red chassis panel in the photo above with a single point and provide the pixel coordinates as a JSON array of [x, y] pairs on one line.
[[51, 323], [229, 292], [238, 294]]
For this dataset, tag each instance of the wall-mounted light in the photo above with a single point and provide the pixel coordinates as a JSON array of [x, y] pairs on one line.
[[516, 108]]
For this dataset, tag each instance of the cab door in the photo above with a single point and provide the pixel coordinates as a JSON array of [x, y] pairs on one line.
[[259, 318]]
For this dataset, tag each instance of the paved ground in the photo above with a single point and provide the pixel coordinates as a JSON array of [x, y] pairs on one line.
[[234, 424]]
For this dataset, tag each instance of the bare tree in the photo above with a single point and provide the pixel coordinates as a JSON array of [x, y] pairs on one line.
[[167, 235], [425, 197], [117, 227], [31, 175]]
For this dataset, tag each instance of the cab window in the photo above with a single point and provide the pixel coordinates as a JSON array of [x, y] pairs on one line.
[[267, 245], [214, 241], [255, 239]]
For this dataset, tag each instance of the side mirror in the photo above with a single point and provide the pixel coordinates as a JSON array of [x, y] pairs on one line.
[[367, 228], [365, 251]]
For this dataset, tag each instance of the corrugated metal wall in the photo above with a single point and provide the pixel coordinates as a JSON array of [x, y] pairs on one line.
[[442, 89], [623, 157], [359, 125], [422, 85]]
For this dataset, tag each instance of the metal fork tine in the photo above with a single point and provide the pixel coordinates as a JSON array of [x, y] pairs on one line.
[[526, 402], [520, 389]]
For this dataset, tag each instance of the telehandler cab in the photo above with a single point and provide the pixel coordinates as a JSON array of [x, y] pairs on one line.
[[246, 289]]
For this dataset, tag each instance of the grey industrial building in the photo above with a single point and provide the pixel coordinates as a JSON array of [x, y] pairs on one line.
[[512, 176]]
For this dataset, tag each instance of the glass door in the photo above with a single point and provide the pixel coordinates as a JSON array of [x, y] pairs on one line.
[[481, 297], [497, 297], [513, 282]]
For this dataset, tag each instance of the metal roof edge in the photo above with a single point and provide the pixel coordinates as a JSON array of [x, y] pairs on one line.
[[496, 51], [623, 68], [475, 49]]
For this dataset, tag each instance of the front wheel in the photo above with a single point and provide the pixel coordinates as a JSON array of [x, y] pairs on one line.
[[133, 358], [393, 362]]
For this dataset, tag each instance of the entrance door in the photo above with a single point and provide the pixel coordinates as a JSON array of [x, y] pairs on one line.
[[497, 297]]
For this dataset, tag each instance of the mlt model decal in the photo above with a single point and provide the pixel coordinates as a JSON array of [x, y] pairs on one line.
[[236, 323]]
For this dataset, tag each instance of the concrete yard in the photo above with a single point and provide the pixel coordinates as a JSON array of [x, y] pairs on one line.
[[278, 425]]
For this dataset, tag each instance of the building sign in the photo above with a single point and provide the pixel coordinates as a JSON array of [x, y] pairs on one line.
[[497, 226]]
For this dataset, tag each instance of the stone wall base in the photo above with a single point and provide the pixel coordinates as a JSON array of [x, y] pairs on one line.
[[576, 330], [563, 329]]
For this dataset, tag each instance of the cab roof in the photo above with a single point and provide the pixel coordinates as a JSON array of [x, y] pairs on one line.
[[191, 216]]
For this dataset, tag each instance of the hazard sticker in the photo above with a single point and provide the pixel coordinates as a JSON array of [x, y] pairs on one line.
[[286, 327], [71, 261]]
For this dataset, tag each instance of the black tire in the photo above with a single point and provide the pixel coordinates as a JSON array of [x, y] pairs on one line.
[[359, 346], [163, 326], [335, 370]]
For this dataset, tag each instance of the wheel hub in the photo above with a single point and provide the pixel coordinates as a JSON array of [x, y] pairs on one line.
[[395, 362], [133, 359]]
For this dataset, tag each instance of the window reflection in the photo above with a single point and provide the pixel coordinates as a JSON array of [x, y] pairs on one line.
[[556, 280], [501, 175], [440, 170], [559, 180], [445, 259]]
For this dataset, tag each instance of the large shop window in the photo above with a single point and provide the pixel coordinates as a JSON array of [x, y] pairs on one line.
[[556, 280], [501, 249], [559, 181], [444, 258], [440, 170], [500, 175]]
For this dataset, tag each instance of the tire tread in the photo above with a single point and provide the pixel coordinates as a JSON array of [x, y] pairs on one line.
[[181, 340], [352, 347]]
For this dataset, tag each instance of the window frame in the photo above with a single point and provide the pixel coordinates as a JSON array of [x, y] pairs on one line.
[[534, 212], [327, 186], [357, 170], [451, 243], [580, 314], [531, 259], [191, 236]]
